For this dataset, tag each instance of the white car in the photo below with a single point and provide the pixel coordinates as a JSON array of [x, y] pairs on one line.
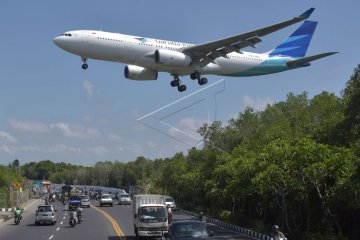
[[106, 199], [124, 198], [170, 201], [85, 201]]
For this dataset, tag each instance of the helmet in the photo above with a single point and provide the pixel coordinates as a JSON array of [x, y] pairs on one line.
[[17, 208], [275, 228]]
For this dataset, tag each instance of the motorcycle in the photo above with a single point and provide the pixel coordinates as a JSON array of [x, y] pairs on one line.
[[201, 217], [80, 218], [72, 221], [17, 219]]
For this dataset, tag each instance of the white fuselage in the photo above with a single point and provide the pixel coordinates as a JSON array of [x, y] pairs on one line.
[[139, 51]]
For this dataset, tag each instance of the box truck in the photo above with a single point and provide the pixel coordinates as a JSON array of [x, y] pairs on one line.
[[150, 215]]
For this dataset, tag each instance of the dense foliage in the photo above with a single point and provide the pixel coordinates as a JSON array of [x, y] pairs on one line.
[[295, 164], [8, 176]]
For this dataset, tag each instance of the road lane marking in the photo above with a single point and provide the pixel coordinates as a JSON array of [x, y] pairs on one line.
[[51, 236], [118, 230], [58, 229], [61, 222], [64, 217]]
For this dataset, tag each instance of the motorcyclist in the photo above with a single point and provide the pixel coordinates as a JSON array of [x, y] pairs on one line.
[[169, 212], [79, 213], [17, 213], [276, 233], [73, 214], [201, 216]]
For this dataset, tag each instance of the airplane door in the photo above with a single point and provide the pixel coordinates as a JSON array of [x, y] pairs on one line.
[[85, 36]]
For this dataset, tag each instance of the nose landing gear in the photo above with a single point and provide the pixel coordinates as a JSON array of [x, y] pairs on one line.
[[84, 66]]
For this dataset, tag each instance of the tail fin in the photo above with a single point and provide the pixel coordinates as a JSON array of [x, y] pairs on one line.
[[298, 42]]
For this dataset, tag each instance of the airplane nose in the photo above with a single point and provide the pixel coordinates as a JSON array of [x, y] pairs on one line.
[[57, 41]]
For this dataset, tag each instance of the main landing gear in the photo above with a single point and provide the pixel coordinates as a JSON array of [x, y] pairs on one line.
[[181, 87], [177, 83], [84, 66], [201, 80]]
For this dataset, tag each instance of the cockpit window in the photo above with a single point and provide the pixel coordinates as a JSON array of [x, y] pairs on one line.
[[66, 34]]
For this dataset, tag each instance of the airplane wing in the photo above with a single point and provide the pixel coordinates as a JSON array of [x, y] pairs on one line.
[[208, 52], [305, 60]]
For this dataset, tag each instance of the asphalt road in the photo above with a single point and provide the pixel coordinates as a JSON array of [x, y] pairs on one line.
[[108, 223]]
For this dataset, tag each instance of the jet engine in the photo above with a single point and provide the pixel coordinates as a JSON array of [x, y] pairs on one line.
[[134, 72], [172, 58]]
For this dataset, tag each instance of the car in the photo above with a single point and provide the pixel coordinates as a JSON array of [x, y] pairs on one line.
[[112, 195], [85, 201], [124, 198], [170, 201], [188, 229], [45, 214], [106, 199]]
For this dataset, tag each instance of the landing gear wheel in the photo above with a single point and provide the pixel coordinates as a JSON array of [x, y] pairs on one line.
[[195, 75], [84, 66], [182, 88], [175, 83], [202, 81]]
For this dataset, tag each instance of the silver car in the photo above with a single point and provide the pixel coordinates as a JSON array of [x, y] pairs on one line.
[[45, 214]]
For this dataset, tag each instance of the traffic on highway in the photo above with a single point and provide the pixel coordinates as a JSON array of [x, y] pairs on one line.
[[77, 214]]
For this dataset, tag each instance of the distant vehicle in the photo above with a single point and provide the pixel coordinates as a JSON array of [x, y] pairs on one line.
[[74, 201], [146, 57], [124, 198], [188, 229], [112, 195], [170, 201], [85, 201], [45, 214], [150, 215], [65, 192], [98, 193], [106, 199]]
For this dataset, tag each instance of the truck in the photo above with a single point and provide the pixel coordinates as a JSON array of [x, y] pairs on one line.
[[65, 192], [150, 216], [74, 199]]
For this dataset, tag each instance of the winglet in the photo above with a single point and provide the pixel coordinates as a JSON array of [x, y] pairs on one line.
[[307, 14]]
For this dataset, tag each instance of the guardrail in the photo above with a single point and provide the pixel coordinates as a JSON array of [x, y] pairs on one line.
[[232, 227]]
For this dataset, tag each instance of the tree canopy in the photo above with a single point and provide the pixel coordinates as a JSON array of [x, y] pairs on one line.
[[295, 164]]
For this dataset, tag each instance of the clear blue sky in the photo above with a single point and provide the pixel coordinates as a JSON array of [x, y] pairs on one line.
[[51, 109]]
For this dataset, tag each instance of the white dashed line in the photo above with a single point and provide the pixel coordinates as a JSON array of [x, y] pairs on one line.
[[58, 229], [51, 236], [61, 222], [64, 217]]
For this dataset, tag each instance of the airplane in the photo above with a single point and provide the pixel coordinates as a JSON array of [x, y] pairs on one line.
[[145, 57]]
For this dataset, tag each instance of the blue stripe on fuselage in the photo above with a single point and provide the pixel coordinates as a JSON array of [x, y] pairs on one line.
[[271, 65]]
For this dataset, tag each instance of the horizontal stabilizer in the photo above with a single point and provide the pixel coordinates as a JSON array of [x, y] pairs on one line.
[[303, 61]]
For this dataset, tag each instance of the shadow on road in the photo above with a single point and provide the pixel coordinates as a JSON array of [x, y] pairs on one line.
[[126, 237]]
